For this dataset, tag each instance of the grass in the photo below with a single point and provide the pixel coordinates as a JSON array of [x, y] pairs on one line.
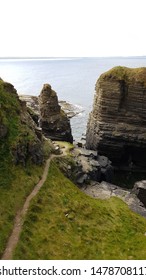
[[125, 73], [64, 223], [16, 184], [48, 148], [63, 144], [16, 181]]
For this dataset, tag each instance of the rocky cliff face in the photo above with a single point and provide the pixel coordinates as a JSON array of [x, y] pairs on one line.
[[117, 123], [53, 120], [19, 135]]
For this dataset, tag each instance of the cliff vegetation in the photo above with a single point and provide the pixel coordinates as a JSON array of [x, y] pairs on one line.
[[19, 170], [127, 74]]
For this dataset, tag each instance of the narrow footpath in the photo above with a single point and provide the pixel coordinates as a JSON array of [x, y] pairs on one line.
[[19, 218]]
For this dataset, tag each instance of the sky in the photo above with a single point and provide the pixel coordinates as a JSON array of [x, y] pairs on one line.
[[72, 28]]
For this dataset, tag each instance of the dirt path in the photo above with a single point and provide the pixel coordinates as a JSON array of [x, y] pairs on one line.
[[19, 218]]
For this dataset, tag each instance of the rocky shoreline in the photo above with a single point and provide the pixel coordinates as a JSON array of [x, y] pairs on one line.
[[32, 102]]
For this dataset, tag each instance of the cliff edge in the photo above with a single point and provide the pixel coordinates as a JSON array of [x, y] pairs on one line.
[[117, 123], [20, 140]]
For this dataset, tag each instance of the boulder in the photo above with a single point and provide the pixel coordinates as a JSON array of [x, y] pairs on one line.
[[117, 123], [140, 190], [53, 121], [94, 167]]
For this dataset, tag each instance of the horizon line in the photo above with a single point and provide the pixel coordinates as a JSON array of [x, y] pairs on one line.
[[68, 57]]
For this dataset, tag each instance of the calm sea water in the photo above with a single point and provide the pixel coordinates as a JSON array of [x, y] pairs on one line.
[[73, 79]]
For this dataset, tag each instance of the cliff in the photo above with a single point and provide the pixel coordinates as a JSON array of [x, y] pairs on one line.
[[117, 123], [53, 121], [20, 139]]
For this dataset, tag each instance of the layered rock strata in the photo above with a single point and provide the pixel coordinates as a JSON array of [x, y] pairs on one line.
[[53, 120], [117, 123]]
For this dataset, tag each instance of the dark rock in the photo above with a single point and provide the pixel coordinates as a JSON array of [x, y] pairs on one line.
[[80, 145], [82, 179], [107, 170], [96, 168], [103, 161], [36, 152], [10, 88], [38, 132], [88, 153], [34, 116], [53, 120], [117, 123], [140, 190]]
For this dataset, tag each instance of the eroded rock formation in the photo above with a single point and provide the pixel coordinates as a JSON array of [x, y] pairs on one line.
[[117, 123], [53, 120]]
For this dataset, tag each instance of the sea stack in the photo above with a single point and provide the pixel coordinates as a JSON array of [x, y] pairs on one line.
[[53, 120], [117, 123]]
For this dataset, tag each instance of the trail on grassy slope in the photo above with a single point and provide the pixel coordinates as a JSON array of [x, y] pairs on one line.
[[19, 218]]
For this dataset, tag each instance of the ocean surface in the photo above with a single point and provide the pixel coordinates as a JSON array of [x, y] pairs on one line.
[[72, 78]]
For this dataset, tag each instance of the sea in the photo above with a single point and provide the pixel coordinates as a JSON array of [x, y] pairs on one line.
[[73, 79]]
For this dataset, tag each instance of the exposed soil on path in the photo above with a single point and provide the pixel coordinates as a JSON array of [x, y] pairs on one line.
[[19, 218]]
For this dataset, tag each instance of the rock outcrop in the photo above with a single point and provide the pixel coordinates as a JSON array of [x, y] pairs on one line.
[[87, 165], [53, 120], [117, 123], [91, 166], [105, 190], [18, 133], [140, 190]]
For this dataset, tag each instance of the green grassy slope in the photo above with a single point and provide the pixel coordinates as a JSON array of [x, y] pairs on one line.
[[64, 223], [16, 182]]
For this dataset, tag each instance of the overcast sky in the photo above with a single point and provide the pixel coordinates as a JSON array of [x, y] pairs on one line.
[[72, 28]]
